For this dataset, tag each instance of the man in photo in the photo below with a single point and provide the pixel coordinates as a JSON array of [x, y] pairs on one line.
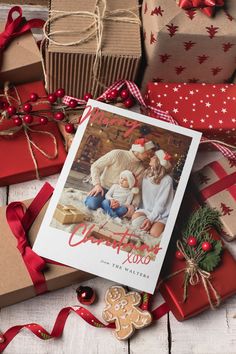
[[107, 169]]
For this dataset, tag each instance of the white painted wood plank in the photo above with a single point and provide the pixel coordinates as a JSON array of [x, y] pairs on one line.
[[78, 337]]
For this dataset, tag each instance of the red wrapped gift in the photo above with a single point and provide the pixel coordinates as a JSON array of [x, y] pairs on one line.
[[208, 288], [204, 107], [33, 151], [215, 184]]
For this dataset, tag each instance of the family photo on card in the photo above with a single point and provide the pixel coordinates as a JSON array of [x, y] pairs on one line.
[[118, 196]]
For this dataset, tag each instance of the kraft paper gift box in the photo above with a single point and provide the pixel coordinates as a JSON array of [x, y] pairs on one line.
[[17, 157], [69, 214], [20, 62], [209, 108], [187, 45], [71, 67], [222, 278], [15, 283], [215, 185]]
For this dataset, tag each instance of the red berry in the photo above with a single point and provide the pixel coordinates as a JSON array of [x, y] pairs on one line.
[[85, 295], [206, 246], [72, 103], [192, 241], [124, 94], [43, 120], [5, 105], [59, 115], [129, 102], [109, 97], [179, 255], [28, 119], [17, 121], [87, 96], [11, 110], [69, 128], [27, 107], [52, 98], [33, 97], [60, 92], [114, 94]]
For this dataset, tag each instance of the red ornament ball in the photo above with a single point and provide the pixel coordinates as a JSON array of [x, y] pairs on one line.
[[206, 246], [11, 110], [59, 115], [85, 295], [69, 128], [52, 97], [192, 241], [60, 92], [114, 94], [17, 121], [129, 102], [124, 94], [27, 107], [43, 120], [33, 97], [72, 103], [179, 255], [28, 119], [87, 96]]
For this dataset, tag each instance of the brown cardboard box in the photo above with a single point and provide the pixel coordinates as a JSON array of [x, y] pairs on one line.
[[71, 66], [20, 62], [68, 214], [15, 282]]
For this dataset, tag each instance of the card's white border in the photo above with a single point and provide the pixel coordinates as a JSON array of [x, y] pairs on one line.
[[45, 229]]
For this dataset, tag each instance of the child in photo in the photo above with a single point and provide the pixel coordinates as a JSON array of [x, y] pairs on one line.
[[119, 196], [157, 195]]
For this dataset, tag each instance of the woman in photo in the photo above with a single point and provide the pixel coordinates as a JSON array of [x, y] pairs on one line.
[[157, 195]]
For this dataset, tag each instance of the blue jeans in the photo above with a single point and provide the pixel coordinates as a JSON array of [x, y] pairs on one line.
[[117, 212], [95, 202]]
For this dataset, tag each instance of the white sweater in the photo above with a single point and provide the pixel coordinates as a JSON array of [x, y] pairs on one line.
[[123, 195], [157, 199]]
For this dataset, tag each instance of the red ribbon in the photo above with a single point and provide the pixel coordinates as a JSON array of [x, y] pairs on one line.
[[16, 27], [206, 6], [225, 182], [20, 221]]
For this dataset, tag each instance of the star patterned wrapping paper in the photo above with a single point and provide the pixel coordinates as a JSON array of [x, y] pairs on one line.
[[209, 108], [187, 45]]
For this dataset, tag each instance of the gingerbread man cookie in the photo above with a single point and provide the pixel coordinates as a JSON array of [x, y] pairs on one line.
[[122, 308]]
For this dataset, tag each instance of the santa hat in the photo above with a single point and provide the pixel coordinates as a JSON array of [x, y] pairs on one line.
[[142, 145], [164, 158], [131, 180]]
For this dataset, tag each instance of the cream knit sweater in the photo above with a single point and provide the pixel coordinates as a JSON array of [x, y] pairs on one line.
[[106, 170]]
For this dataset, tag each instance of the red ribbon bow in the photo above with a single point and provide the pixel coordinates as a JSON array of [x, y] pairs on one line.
[[16, 27], [20, 221], [206, 6]]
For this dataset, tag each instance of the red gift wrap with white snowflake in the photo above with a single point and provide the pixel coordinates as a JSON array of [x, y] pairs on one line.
[[186, 41], [208, 108], [216, 185]]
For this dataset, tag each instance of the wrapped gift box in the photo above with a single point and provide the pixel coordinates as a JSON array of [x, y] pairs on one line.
[[69, 214], [16, 284], [27, 67], [222, 277], [15, 170], [204, 107], [216, 185], [71, 66], [187, 45]]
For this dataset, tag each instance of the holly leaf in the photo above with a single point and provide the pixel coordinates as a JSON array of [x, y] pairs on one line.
[[212, 258]]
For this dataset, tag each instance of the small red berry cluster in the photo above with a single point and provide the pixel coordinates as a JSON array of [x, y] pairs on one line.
[[124, 95], [192, 241]]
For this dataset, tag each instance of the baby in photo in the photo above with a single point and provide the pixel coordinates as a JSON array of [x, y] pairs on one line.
[[120, 195]]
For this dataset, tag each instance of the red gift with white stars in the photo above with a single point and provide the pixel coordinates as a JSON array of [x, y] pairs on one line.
[[208, 108], [187, 41]]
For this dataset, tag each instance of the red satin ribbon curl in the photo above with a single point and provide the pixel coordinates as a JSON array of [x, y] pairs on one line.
[[16, 27], [206, 6]]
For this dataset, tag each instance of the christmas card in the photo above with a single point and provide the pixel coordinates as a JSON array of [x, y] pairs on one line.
[[117, 198]]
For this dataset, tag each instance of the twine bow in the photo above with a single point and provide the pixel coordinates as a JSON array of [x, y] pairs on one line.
[[95, 30], [208, 7], [194, 274]]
